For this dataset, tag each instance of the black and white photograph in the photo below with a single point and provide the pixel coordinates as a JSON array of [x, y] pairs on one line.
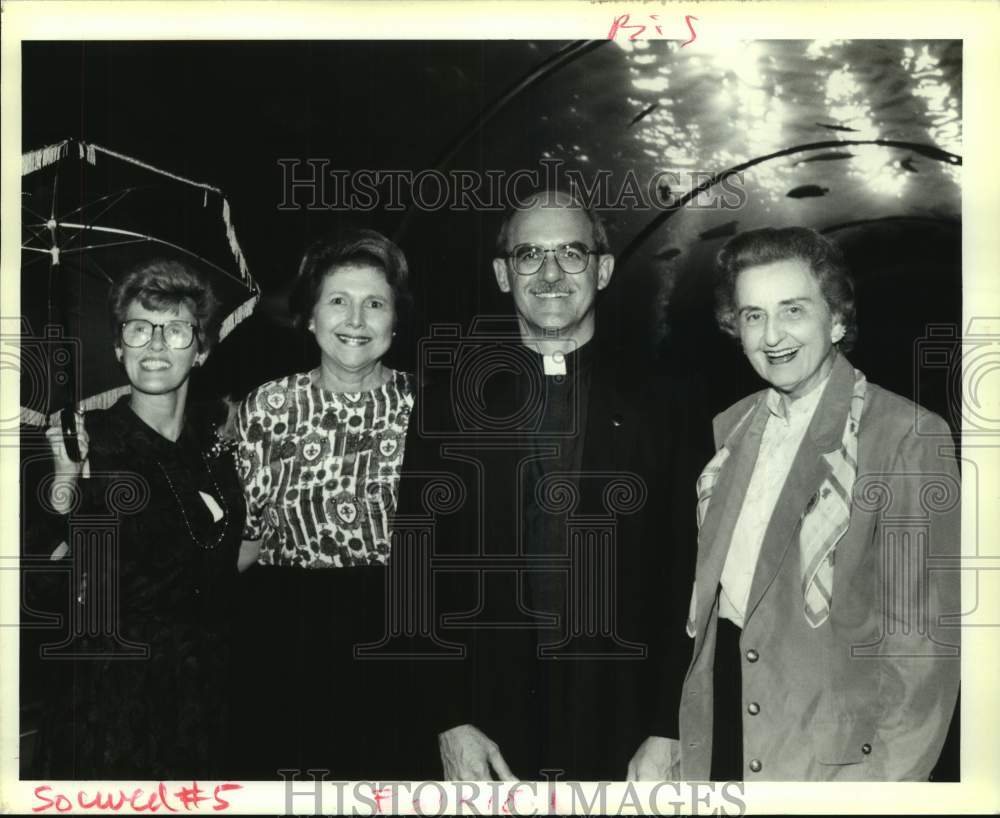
[[502, 408]]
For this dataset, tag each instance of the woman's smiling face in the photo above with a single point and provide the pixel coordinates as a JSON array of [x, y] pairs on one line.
[[156, 369], [785, 326], [354, 317]]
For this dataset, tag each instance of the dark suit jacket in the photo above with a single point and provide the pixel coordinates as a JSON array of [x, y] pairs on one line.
[[585, 707], [869, 693]]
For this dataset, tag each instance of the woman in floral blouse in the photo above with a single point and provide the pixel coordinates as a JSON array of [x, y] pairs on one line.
[[319, 455]]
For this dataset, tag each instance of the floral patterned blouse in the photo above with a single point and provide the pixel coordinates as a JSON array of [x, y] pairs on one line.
[[320, 469]]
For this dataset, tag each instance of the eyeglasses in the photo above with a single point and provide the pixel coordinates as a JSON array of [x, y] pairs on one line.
[[572, 258], [137, 332]]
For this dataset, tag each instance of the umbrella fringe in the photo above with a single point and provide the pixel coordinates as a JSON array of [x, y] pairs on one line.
[[101, 401], [236, 316], [32, 417], [234, 245], [146, 166], [40, 158]]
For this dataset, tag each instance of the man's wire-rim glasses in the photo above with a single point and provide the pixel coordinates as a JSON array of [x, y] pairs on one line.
[[572, 257]]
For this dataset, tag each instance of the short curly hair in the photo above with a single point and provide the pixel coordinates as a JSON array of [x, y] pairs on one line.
[[769, 244], [165, 284], [353, 246]]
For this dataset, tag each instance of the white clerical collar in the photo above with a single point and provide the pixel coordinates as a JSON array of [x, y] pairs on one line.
[[554, 364]]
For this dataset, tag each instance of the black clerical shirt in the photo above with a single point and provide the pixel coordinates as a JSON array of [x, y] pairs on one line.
[[556, 450]]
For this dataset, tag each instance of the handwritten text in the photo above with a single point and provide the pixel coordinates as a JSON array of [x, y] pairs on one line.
[[178, 799]]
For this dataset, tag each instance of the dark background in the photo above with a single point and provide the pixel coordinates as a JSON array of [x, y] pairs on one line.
[[224, 113]]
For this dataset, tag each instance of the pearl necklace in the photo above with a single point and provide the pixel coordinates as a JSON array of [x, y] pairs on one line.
[[187, 523]]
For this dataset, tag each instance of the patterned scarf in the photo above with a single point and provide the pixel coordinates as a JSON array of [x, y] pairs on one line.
[[824, 521], [828, 514]]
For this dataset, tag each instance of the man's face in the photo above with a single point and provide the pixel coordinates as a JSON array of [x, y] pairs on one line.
[[785, 325], [552, 303]]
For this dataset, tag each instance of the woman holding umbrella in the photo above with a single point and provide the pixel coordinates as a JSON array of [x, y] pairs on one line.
[[149, 700], [319, 453]]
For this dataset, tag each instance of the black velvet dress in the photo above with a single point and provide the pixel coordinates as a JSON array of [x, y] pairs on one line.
[[141, 681]]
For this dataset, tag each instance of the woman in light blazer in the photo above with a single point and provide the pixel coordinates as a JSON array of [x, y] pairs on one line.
[[827, 550]]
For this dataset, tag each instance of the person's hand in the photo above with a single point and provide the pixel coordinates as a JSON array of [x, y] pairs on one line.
[[467, 754], [65, 466], [67, 471], [657, 759]]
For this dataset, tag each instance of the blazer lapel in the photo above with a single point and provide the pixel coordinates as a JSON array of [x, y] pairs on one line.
[[807, 473], [724, 509], [804, 478]]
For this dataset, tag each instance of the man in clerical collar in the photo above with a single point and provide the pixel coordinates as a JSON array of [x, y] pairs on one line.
[[820, 651], [553, 258], [566, 564]]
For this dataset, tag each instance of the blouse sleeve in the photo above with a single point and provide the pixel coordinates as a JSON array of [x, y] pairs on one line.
[[251, 462]]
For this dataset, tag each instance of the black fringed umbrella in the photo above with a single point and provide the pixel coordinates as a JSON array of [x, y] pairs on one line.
[[88, 215]]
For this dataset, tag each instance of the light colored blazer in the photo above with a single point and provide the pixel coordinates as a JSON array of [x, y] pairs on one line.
[[869, 694]]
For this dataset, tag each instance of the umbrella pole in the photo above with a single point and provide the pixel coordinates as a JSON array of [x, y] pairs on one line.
[[61, 359]]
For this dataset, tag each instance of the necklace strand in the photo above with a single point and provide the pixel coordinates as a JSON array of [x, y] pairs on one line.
[[187, 523]]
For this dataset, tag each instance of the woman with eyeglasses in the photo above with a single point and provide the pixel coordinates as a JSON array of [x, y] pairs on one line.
[[319, 453], [156, 507]]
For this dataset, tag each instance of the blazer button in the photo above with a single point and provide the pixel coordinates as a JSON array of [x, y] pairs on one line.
[[753, 708], [866, 748], [752, 655], [755, 765]]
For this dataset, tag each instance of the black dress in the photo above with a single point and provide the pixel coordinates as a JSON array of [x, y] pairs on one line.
[[566, 570], [143, 672]]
